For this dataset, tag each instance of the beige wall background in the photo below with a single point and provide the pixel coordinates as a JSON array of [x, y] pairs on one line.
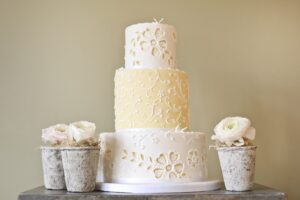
[[58, 58]]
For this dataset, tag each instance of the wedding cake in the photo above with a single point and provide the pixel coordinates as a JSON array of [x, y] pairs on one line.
[[153, 142]]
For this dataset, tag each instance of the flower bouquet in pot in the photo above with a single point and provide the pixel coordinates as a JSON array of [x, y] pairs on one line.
[[233, 136], [53, 138], [80, 157]]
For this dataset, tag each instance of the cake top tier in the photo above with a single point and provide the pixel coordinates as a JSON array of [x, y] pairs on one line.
[[150, 45]]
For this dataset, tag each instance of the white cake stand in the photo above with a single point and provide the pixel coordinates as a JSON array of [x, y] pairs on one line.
[[147, 188]]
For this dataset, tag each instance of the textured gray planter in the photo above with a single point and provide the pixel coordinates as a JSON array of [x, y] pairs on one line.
[[80, 167], [238, 166], [53, 168]]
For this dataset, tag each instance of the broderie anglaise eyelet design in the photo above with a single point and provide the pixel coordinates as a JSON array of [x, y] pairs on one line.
[[153, 42], [170, 136], [193, 158], [165, 165], [169, 165], [132, 52], [134, 157]]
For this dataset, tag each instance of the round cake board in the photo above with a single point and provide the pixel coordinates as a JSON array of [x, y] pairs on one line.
[[147, 188]]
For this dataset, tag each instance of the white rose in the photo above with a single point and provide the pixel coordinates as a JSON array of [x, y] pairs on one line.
[[82, 131], [55, 135], [233, 130]]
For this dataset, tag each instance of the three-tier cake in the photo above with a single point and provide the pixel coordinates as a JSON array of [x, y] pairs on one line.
[[152, 142]]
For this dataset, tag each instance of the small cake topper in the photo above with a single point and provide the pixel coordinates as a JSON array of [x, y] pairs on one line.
[[158, 22]]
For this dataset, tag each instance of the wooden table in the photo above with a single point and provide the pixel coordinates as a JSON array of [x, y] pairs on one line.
[[259, 192]]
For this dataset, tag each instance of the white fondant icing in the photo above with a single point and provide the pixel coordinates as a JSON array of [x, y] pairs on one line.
[[150, 45], [152, 156], [150, 129]]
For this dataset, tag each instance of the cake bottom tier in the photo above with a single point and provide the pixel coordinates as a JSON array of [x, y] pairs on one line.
[[149, 156]]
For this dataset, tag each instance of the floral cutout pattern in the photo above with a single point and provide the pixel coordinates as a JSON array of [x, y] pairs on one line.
[[152, 41], [170, 136], [134, 157], [132, 52], [193, 158], [139, 140], [164, 165], [155, 140], [169, 165]]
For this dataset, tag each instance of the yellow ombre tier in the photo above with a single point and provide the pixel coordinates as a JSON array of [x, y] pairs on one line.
[[151, 98]]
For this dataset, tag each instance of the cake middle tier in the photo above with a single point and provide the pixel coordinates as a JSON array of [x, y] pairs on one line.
[[151, 98]]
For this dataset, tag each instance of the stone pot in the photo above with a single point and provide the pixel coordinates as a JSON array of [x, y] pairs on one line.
[[238, 166], [53, 168], [80, 167]]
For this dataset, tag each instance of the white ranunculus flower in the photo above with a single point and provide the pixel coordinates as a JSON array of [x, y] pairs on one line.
[[82, 131], [55, 135], [233, 131]]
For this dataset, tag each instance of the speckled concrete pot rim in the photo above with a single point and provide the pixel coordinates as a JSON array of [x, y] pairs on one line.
[[50, 148], [244, 148], [79, 148]]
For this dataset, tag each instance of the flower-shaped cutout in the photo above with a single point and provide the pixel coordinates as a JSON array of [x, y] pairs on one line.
[[169, 165], [193, 158], [154, 42]]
